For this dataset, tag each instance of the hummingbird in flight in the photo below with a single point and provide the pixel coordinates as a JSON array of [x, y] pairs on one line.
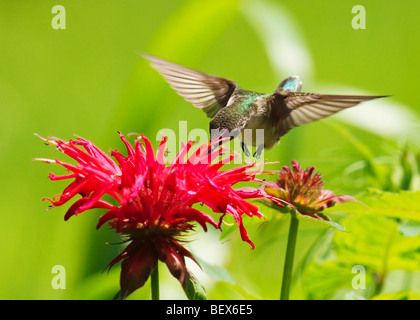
[[235, 111]]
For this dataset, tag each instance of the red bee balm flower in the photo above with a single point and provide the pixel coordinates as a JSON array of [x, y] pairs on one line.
[[153, 200], [304, 192]]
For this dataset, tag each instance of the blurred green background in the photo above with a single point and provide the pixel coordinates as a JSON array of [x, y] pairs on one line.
[[88, 80]]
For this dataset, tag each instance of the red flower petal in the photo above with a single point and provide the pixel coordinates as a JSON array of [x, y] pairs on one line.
[[76, 207], [153, 200], [136, 268]]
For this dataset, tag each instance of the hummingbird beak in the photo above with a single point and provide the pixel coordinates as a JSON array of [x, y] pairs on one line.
[[218, 139]]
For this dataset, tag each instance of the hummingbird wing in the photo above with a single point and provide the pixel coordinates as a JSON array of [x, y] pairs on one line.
[[207, 92], [292, 109]]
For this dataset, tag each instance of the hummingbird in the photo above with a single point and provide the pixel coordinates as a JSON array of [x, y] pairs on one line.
[[235, 111]]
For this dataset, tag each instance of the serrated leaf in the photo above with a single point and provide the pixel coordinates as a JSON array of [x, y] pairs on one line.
[[273, 211], [322, 281], [402, 205], [375, 242], [325, 222]]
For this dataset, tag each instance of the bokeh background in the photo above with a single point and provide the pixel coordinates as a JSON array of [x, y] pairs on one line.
[[88, 80]]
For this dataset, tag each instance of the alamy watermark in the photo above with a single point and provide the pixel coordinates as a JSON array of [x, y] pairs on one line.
[[359, 20], [59, 280], [59, 20], [359, 280]]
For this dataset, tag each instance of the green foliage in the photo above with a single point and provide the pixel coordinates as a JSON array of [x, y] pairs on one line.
[[402, 205], [375, 242], [193, 289], [397, 168], [326, 221], [372, 240], [326, 280], [401, 295]]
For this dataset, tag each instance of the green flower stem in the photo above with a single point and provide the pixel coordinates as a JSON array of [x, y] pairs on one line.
[[290, 253], [155, 283]]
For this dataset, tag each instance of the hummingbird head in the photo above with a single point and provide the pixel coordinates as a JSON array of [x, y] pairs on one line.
[[292, 84]]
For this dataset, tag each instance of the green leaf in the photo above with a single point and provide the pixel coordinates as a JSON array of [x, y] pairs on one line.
[[362, 148], [371, 241], [401, 295], [402, 205], [328, 223], [240, 290], [270, 209], [216, 272], [375, 242], [193, 289], [274, 211], [322, 281], [223, 277]]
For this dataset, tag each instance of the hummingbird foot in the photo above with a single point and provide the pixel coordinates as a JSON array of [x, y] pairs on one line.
[[257, 154], [245, 149]]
